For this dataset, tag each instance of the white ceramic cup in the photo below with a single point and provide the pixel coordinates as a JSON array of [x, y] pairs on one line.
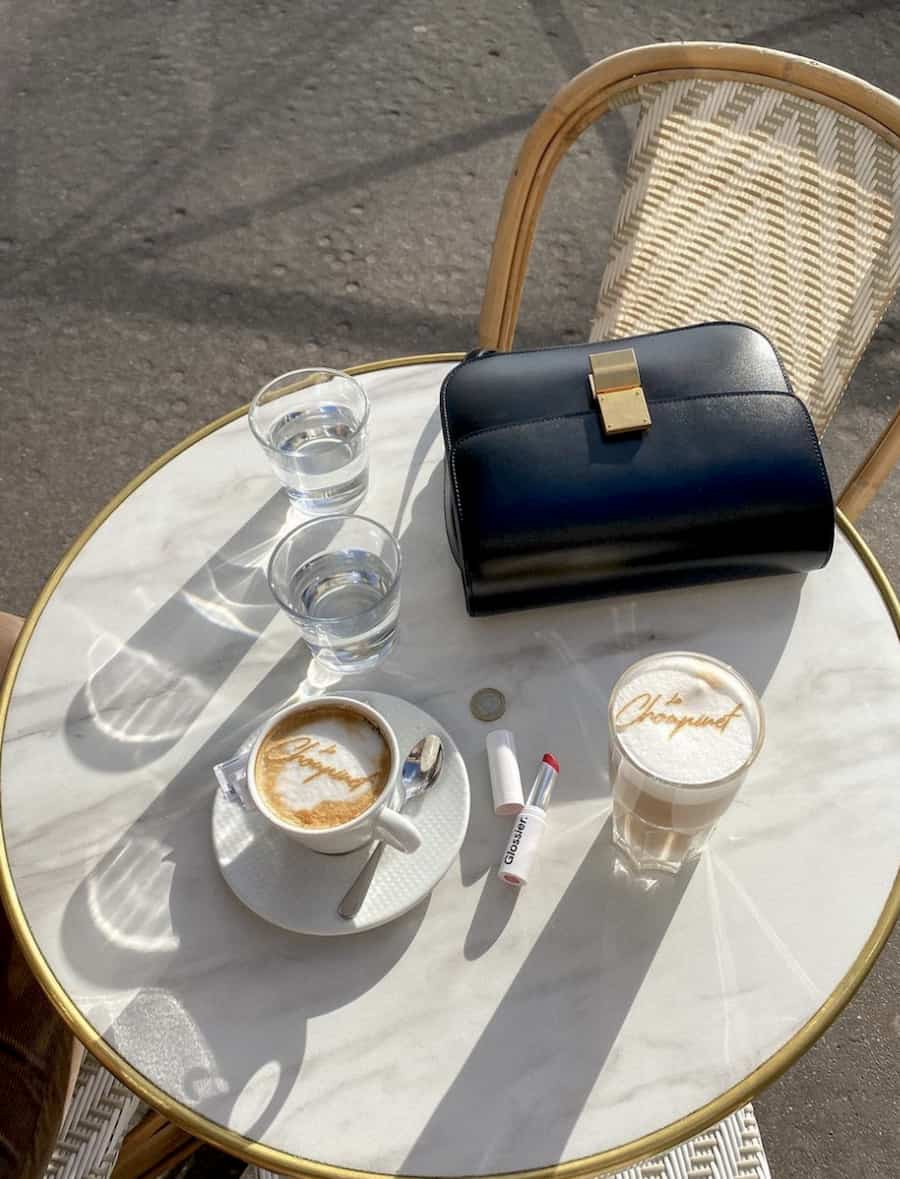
[[380, 821]]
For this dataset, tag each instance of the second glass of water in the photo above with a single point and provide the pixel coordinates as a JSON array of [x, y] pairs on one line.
[[339, 581], [312, 425]]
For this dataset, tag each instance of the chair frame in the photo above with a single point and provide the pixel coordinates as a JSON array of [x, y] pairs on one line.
[[589, 95]]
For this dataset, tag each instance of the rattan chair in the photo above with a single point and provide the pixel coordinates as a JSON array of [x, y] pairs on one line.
[[108, 1133], [760, 187]]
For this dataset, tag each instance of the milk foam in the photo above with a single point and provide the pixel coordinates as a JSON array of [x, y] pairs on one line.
[[686, 720], [327, 757]]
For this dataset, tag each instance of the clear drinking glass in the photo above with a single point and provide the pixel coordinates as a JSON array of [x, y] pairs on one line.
[[684, 730], [312, 425], [339, 580]]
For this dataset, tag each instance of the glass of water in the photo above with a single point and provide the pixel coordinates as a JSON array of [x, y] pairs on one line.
[[312, 425], [338, 579]]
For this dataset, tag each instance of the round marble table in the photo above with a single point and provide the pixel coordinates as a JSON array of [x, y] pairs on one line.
[[589, 1020]]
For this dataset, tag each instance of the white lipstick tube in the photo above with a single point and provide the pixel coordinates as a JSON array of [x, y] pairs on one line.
[[525, 837]]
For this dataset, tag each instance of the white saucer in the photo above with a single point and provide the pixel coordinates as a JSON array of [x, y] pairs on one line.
[[287, 884]]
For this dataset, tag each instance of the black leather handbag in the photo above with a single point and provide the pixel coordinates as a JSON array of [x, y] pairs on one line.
[[594, 469]]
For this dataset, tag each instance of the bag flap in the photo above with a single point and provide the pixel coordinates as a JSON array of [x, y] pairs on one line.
[[514, 387]]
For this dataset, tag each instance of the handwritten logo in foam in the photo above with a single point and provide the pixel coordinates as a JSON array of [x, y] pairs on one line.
[[641, 709], [300, 750]]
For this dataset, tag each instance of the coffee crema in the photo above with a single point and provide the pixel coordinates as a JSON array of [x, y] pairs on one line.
[[322, 767]]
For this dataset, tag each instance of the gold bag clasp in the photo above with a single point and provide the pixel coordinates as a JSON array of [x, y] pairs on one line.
[[616, 385]]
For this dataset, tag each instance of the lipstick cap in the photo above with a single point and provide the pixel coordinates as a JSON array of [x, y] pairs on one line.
[[503, 765]]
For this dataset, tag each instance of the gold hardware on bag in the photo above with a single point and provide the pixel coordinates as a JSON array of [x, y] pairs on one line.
[[616, 384]]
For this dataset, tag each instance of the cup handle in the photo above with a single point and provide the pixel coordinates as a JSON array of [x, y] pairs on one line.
[[398, 831]]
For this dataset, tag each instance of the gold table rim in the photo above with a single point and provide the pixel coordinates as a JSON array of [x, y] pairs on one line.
[[270, 1158]]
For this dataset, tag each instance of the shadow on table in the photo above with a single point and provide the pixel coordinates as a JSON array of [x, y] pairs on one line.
[[429, 434], [535, 1065], [159, 886], [125, 906], [143, 697]]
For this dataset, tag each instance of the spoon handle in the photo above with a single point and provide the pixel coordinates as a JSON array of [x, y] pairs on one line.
[[356, 893]]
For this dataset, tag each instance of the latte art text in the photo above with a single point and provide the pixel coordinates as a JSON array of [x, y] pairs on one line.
[[642, 709], [299, 749], [322, 765]]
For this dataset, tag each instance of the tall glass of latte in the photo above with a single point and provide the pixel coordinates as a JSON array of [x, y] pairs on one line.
[[684, 730]]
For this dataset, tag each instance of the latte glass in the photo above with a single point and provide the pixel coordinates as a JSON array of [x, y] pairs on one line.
[[668, 793], [338, 579]]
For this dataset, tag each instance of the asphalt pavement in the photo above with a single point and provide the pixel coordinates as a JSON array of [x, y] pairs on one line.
[[196, 195]]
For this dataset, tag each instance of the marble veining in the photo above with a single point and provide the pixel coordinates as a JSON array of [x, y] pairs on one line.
[[484, 1031]]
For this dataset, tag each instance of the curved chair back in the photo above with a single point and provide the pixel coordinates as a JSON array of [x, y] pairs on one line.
[[760, 187]]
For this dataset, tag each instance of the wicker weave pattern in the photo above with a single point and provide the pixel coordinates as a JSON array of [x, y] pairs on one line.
[[96, 1121], [750, 203], [731, 1150]]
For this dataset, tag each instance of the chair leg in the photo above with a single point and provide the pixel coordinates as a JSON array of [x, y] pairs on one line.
[[153, 1147], [872, 472]]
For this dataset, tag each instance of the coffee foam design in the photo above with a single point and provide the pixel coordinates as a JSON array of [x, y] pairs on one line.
[[322, 768], [686, 720]]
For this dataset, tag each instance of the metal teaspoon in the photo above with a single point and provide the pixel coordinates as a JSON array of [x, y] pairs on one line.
[[423, 764]]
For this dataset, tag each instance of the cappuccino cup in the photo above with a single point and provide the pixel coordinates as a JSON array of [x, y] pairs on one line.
[[326, 772]]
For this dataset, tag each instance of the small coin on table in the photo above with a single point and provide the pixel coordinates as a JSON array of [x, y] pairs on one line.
[[488, 704]]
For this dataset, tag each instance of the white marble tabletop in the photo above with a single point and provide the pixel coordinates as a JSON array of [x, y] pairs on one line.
[[485, 1031]]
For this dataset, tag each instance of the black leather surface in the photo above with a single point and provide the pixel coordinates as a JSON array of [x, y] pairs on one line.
[[542, 507]]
